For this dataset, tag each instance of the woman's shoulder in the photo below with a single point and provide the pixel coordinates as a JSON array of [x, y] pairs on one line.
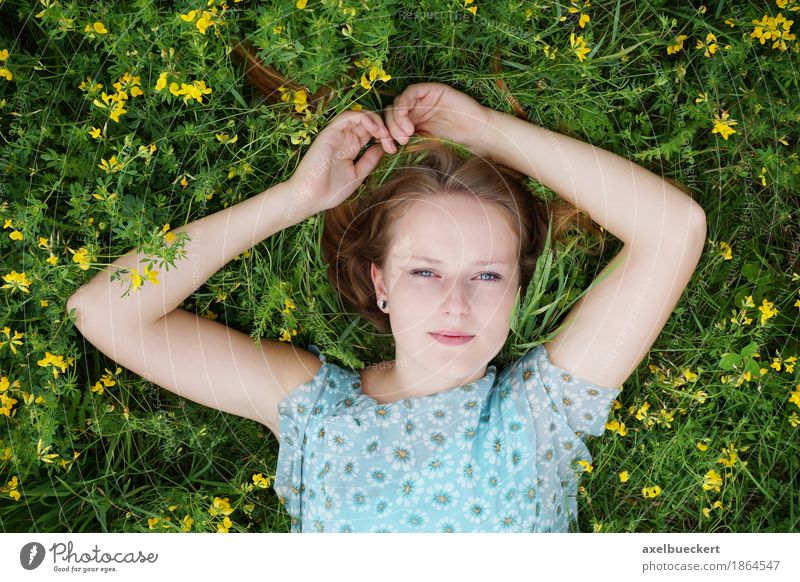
[[329, 383]]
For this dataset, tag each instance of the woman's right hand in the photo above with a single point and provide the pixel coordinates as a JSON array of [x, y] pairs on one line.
[[328, 172]]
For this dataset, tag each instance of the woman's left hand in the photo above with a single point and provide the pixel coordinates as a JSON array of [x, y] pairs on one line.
[[439, 110]]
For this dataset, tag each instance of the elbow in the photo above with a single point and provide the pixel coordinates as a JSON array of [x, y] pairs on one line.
[[699, 223], [75, 302]]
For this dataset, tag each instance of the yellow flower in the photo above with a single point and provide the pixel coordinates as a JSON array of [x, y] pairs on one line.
[[731, 458], [623, 477], [677, 44], [579, 46], [162, 81], [186, 523], [770, 28], [225, 525], [767, 310], [110, 165], [710, 46], [374, 70], [300, 101], [225, 138], [794, 420], [794, 396], [97, 27], [712, 480], [762, 175], [3, 71], [188, 17], [472, 9], [651, 492], [261, 481], [95, 132], [222, 506], [16, 281], [702, 446], [13, 342], [588, 468], [301, 4], [726, 250], [136, 279], [150, 275], [286, 336], [722, 126]]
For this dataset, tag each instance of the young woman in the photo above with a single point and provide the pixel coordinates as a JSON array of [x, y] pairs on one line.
[[436, 439]]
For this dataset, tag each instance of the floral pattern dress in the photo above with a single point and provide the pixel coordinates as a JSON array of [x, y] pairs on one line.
[[498, 455]]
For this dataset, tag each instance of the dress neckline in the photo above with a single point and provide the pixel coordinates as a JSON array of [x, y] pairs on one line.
[[471, 388]]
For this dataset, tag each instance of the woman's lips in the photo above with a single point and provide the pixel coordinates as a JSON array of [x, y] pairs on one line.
[[452, 340]]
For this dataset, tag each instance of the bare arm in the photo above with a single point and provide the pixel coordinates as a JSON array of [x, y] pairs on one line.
[[215, 240], [204, 360], [635, 205]]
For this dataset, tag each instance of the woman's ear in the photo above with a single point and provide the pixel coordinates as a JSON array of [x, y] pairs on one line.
[[376, 273]]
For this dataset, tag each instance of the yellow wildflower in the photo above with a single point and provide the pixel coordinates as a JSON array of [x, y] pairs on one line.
[[623, 477], [16, 281], [97, 27], [225, 138], [710, 44], [677, 44], [110, 165], [261, 481], [13, 342], [472, 9], [712, 480], [186, 523], [770, 28], [162, 81], [651, 492], [579, 46], [794, 396], [3, 71], [587, 467], [726, 250], [301, 4], [722, 126], [81, 257], [702, 446], [136, 279], [225, 525], [222, 506], [729, 460], [767, 311]]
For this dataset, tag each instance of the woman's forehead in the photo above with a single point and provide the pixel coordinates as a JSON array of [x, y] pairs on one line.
[[452, 228]]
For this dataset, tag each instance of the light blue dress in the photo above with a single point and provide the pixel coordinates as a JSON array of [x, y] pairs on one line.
[[497, 455]]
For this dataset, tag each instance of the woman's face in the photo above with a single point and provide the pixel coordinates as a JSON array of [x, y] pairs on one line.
[[453, 264]]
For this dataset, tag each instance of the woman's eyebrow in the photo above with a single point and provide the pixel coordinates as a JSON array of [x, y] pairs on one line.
[[438, 262]]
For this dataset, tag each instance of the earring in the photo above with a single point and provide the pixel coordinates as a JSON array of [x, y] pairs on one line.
[[382, 304]]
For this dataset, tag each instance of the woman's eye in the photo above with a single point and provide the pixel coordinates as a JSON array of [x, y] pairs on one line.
[[417, 273]]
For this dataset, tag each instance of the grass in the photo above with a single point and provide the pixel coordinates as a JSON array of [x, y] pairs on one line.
[[135, 457]]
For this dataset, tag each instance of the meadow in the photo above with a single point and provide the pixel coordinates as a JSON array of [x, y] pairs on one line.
[[123, 120]]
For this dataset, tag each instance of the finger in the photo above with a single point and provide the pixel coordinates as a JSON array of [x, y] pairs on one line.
[[399, 134], [403, 119], [368, 161], [380, 132]]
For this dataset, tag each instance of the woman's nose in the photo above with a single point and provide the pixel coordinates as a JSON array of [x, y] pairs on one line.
[[456, 299]]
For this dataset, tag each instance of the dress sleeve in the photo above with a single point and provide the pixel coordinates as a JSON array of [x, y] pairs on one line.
[[296, 411], [584, 405]]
